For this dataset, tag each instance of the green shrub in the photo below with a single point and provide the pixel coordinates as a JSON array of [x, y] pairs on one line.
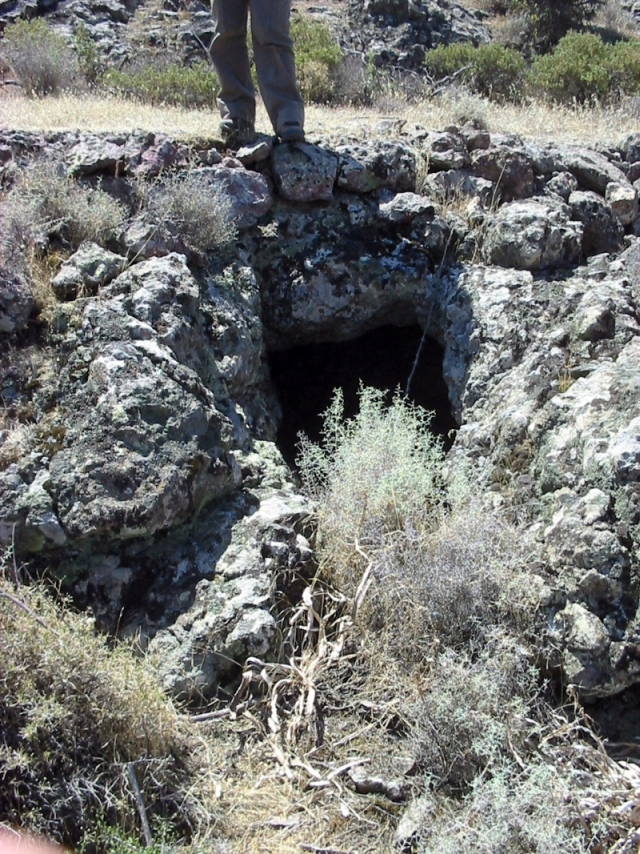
[[73, 713], [624, 67], [201, 213], [583, 68], [41, 60], [372, 475], [46, 204], [176, 85], [492, 70], [89, 62], [318, 58]]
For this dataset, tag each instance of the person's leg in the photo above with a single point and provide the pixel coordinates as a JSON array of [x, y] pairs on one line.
[[273, 51], [237, 100]]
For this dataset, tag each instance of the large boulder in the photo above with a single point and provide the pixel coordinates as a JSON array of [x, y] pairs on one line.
[[532, 235], [603, 231]]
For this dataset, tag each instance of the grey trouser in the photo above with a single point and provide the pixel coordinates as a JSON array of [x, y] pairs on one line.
[[273, 52]]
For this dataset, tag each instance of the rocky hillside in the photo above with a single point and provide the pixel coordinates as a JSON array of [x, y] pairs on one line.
[[138, 448]]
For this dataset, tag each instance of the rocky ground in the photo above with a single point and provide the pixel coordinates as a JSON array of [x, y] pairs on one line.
[[138, 456]]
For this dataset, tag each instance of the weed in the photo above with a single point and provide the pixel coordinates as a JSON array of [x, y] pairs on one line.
[[47, 205], [201, 211], [74, 714], [185, 86], [41, 60], [318, 58]]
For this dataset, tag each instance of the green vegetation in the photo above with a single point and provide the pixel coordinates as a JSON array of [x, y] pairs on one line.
[[176, 85], [89, 62], [47, 206], [201, 213], [318, 58], [583, 68], [76, 715], [492, 70], [41, 60]]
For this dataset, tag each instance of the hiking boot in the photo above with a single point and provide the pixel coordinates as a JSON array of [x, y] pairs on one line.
[[291, 132], [237, 131]]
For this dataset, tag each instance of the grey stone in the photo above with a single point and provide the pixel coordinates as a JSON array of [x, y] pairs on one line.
[[562, 184], [255, 153], [532, 235], [95, 155], [304, 172], [16, 302], [445, 151], [508, 168], [602, 230], [623, 201], [406, 207], [379, 164], [86, 270]]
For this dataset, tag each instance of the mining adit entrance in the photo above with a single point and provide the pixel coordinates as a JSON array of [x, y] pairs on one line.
[[306, 376]]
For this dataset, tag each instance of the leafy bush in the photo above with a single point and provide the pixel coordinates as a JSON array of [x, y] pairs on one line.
[[89, 62], [373, 475], [582, 68], [74, 713], [41, 60], [318, 58], [201, 212], [550, 20], [492, 70], [46, 204], [174, 84]]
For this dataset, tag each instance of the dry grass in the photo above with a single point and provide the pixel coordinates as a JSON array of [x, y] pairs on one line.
[[584, 125]]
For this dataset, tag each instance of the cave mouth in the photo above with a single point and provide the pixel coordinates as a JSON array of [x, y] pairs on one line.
[[305, 378]]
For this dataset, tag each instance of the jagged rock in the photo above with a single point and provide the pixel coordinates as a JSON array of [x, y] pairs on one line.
[[363, 168], [532, 235], [454, 183], [562, 184], [16, 301], [406, 207], [255, 153], [623, 201], [602, 230], [414, 819], [231, 617], [592, 170], [586, 644], [95, 155], [630, 148], [248, 191], [508, 168], [86, 270], [150, 156], [304, 172], [445, 151], [367, 784]]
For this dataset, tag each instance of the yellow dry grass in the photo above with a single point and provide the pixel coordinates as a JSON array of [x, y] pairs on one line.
[[537, 121]]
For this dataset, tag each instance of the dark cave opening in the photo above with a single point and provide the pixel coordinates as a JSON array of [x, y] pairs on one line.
[[306, 376]]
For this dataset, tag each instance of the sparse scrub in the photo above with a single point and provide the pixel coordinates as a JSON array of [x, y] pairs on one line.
[[193, 86], [74, 713], [492, 70], [89, 61], [201, 212], [318, 58], [41, 60], [47, 205]]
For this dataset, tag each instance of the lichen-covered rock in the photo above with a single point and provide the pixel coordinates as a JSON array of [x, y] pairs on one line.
[[603, 231], [304, 172], [379, 164], [95, 155], [623, 201], [562, 184], [532, 235], [248, 191], [406, 207], [16, 301], [508, 168], [454, 184], [86, 270], [445, 151], [232, 617]]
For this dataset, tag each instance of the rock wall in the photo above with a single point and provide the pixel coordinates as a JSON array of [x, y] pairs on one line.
[[148, 475]]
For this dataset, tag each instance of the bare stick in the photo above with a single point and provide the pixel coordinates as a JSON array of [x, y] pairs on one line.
[[148, 838]]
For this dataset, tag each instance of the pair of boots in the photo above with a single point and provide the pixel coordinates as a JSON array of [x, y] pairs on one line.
[[241, 132]]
